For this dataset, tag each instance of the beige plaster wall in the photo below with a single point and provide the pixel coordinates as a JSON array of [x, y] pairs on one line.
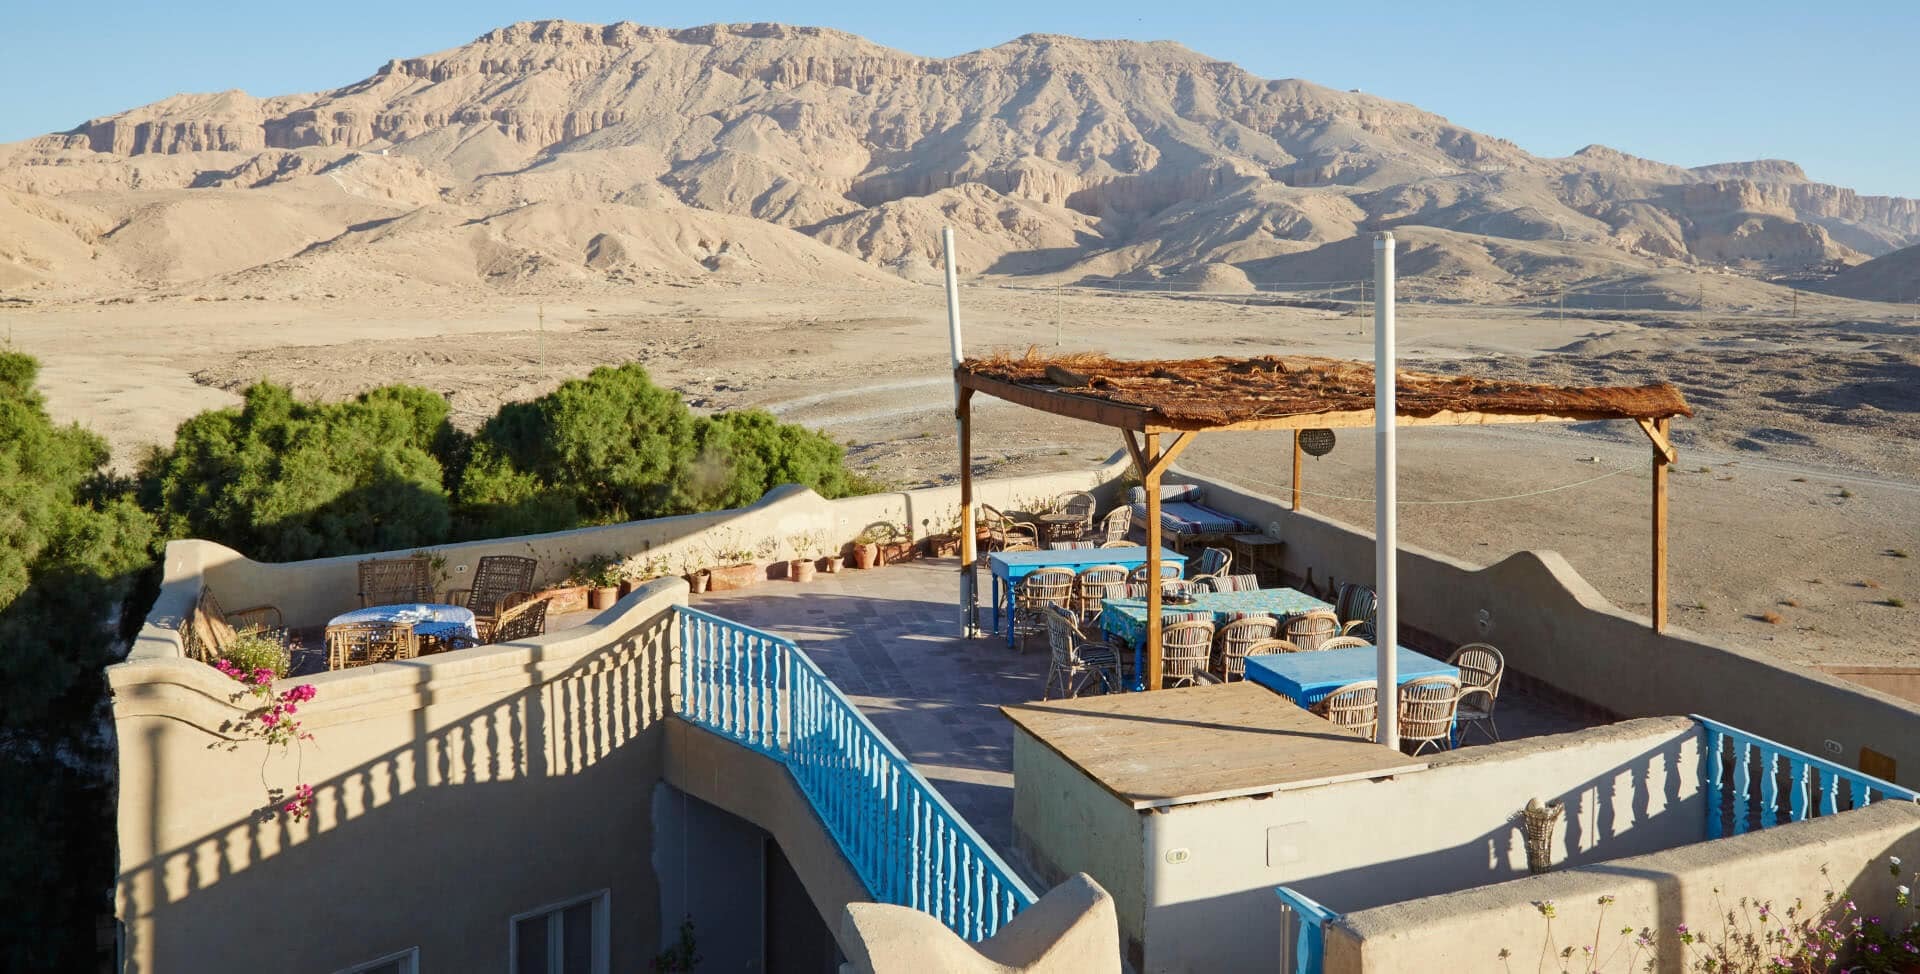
[[308, 593], [453, 791], [1629, 788], [1696, 885], [1064, 823], [1553, 626]]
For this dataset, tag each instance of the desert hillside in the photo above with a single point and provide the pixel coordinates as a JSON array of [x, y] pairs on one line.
[[556, 156]]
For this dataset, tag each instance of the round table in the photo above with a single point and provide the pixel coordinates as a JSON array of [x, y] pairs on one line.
[[443, 623], [1062, 527]]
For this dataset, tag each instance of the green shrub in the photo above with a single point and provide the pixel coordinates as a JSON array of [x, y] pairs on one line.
[[72, 548], [255, 650], [742, 455], [283, 480]]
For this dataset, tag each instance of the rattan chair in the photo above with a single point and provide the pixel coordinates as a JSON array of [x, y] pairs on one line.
[[1119, 522], [210, 631], [1077, 502], [1345, 642], [1212, 561], [1427, 707], [1042, 588], [396, 581], [1236, 637], [1078, 663], [1267, 646], [523, 620], [1006, 534], [1354, 707], [1139, 573], [1310, 629], [1356, 605], [1093, 587], [1119, 544], [1185, 650], [363, 644], [1229, 583], [499, 581], [1481, 667]]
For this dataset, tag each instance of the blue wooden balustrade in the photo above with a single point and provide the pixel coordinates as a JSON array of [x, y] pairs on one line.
[[1307, 952], [1793, 786], [906, 843]]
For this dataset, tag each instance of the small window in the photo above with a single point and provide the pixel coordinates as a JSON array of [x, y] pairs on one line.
[[404, 962], [565, 938]]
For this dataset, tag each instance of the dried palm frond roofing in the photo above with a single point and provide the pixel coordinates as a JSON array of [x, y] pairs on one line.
[[1251, 392]]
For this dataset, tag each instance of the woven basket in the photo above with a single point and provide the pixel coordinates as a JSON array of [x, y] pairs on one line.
[[1539, 821]]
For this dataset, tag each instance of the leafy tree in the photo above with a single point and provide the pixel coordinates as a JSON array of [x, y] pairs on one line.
[[744, 454], [284, 480], [72, 546], [610, 447]]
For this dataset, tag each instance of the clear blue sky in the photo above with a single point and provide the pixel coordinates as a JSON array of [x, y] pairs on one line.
[[1828, 85]]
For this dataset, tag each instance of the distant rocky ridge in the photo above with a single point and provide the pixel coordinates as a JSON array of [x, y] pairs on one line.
[[563, 155]]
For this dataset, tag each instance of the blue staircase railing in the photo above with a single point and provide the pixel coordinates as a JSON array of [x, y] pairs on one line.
[[909, 847], [1733, 761], [1306, 951]]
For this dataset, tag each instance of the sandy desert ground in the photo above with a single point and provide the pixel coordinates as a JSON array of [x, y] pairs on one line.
[[1797, 493]]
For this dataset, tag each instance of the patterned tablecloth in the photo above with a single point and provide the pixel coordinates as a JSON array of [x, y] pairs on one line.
[[1125, 620], [430, 621]]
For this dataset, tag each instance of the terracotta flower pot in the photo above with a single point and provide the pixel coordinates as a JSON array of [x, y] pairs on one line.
[[733, 577], [564, 598], [626, 587], [697, 582], [894, 552], [830, 564], [942, 545], [603, 597], [865, 555], [800, 570]]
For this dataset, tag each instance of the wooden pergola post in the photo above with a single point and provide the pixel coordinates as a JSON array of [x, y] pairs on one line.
[[1296, 470], [1152, 463], [963, 412], [1664, 456]]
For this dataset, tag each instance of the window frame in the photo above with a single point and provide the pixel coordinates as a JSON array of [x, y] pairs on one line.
[[410, 958], [600, 963]]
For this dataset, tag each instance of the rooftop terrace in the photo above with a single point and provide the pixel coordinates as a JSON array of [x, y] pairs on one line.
[[885, 636]]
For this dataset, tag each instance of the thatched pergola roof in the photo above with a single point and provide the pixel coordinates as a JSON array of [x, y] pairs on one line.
[[1287, 392]]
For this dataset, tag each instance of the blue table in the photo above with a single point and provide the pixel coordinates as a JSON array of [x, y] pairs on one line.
[[446, 623], [1009, 567], [1307, 678], [1125, 620]]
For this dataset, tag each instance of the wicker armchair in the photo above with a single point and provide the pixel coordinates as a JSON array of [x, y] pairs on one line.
[[499, 581], [1310, 629], [1229, 583], [1481, 667], [1006, 534], [1094, 586], [1427, 708], [210, 630], [396, 581], [1185, 650], [1345, 642], [1212, 561], [1119, 521], [523, 620], [1043, 587], [1354, 707], [1078, 663], [1236, 637], [363, 644], [1118, 544], [1355, 605], [1139, 573], [1077, 502]]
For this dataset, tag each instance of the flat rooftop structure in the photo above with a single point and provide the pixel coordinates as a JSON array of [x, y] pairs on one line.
[[1198, 744]]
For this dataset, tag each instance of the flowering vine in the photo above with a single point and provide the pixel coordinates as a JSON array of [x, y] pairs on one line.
[[273, 721]]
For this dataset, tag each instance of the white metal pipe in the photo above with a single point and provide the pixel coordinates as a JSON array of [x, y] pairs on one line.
[[1385, 523], [968, 628]]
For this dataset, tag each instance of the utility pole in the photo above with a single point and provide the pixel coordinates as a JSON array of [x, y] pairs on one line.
[[540, 336], [1056, 316]]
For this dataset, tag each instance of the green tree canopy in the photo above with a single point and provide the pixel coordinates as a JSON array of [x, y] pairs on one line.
[[283, 480]]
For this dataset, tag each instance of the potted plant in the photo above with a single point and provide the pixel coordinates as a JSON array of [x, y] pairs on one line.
[[800, 567], [601, 574], [897, 545], [737, 567], [835, 558], [635, 574], [942, 541], [866, 546]]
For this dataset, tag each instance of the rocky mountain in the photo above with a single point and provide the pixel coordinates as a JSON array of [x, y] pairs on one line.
[[556, 154]]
